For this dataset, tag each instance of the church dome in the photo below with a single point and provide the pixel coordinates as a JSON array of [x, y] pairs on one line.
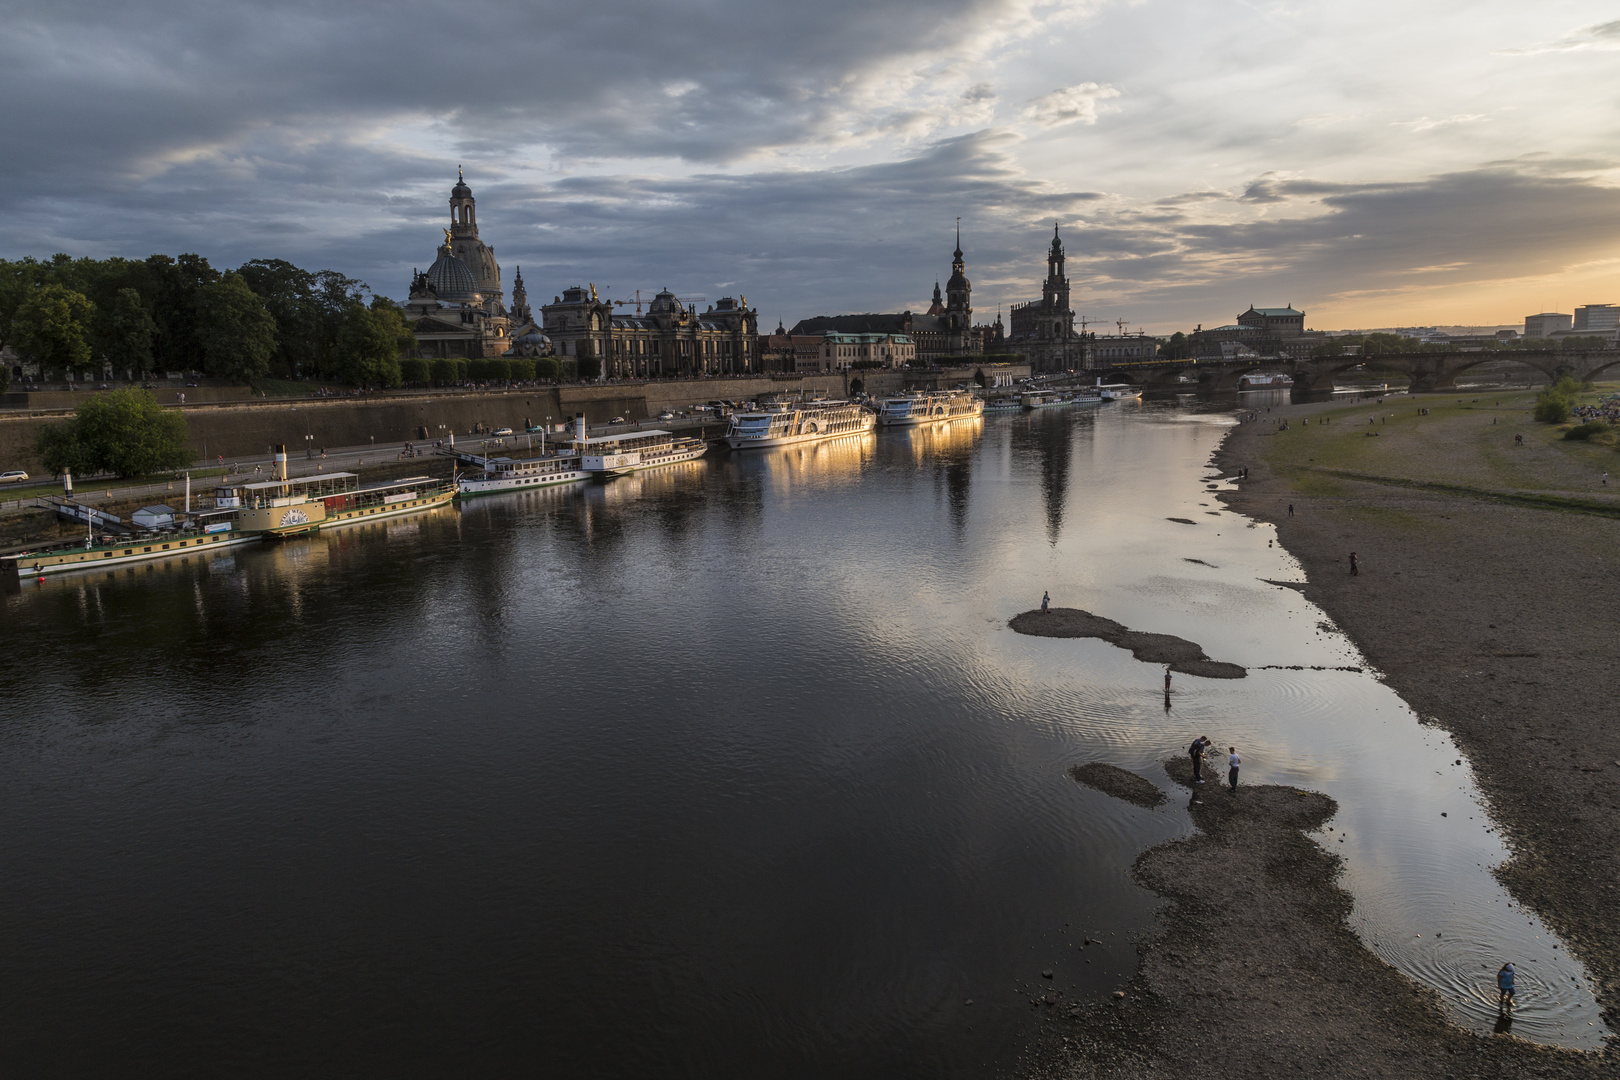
[[461, 190], [451, 278], [664, 303], [534, 337]]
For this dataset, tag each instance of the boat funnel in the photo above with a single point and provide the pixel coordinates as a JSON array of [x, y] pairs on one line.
[[579, 426], [281, 462]]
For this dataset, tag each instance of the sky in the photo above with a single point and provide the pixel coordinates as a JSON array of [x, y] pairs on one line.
[[1373, 164]]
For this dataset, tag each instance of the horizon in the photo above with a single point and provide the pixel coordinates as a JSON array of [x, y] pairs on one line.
[[1199, 158]]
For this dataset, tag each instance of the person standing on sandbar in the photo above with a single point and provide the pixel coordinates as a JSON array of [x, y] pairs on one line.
[[1046, 600], [1232, 764]]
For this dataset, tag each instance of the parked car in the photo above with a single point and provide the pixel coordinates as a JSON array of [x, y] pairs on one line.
[[666, 415], [618, 420], [16, 476], [502, 431]]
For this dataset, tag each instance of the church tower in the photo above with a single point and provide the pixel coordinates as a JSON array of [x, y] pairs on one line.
[[520, 301], [958, 296], [1055, 292], [466, 246]]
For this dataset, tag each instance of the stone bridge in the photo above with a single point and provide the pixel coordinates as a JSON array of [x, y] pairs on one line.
[[1425, 372]]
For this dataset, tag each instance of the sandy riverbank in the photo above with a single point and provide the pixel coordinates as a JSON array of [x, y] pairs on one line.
[[1495, 621], [1256, 973]]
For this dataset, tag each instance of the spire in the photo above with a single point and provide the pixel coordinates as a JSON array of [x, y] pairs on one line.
[[958, 252]]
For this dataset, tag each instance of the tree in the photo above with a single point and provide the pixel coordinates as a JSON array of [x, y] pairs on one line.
[[589, 367], [236, 334], [368, 347], [547, 367], [415, 371], [1554, 404], [173, 289], [289, 295], [1177, 348], [522, 369], [123, 332], [122, 431], [51, 328]]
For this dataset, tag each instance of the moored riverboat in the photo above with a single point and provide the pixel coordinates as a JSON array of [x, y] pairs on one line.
[[1265, 380], [785, 425], [635, 451], [211, 530], [911, 410], [1118, 391], [509, 474]]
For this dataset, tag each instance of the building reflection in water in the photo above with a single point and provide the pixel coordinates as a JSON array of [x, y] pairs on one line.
[[948, 448], [1048, 437]]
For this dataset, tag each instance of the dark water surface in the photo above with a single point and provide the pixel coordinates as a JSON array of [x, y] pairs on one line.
[[728, 770]]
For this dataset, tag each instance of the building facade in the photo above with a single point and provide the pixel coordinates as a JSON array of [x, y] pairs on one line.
[[946, 330], [1267, 332], [671, 339], [1043, 330], [1597, 317], [455, 307], [1546, 324]]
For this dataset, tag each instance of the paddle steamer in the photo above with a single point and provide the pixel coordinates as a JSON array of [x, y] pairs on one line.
[[936, 408], [783, 425]]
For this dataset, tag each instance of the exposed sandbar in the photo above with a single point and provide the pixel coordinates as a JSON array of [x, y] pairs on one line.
[[1182, 655]]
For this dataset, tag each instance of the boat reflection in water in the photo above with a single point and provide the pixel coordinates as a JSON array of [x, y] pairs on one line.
[[951, 437]]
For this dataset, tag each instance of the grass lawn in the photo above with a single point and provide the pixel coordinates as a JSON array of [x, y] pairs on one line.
[[1467, 440]]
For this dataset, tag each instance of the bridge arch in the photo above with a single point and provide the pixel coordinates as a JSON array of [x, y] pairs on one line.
[[1546, 363]]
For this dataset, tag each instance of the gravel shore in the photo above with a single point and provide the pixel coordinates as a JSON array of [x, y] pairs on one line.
[[1257, 974], [1497, 622]]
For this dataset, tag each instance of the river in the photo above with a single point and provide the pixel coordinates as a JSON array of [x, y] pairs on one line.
[[732, 769]]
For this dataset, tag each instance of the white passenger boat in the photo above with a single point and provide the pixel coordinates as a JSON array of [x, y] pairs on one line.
[[1003, 404], [1265, 380], [784, 425], [635, 451], [933, 408], [517, 474], [1118, 391]]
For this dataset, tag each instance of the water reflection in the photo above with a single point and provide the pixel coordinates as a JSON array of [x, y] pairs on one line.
[[654, 777]]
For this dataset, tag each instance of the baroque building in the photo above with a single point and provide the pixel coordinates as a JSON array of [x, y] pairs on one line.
[[455, 307], [1043, 330], [945, 330], [671, 339]]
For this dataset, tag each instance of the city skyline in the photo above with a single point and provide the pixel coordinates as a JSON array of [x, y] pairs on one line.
[[1200, 157]]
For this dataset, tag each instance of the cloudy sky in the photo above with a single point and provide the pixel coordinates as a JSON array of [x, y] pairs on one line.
[[1374, 163]]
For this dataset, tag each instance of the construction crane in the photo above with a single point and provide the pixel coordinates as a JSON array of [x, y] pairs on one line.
[[638, 301]]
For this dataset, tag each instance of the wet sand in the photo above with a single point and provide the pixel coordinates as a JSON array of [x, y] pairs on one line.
[[1256, 973], [1494, 621], [1178, 654]]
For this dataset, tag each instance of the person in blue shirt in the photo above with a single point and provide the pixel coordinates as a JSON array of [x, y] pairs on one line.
[[1504, 988]]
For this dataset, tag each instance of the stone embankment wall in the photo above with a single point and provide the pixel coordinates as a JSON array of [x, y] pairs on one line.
[[248, 428]]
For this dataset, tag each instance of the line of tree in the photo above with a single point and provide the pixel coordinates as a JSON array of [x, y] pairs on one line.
[[265, 319], [124, 432], [453, 371], [1382, 344]]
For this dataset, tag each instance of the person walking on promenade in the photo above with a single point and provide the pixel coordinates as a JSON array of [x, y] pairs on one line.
[[1504, 988], [1290, 509], [1232, 764], [1196, 752], [1355, 568], [1046, 601]]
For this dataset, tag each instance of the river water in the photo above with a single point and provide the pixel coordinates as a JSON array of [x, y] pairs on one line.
[[728, 770]]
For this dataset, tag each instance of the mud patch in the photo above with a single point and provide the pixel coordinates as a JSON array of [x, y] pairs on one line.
[[1182, 521], [1182, 655], [1112, 780]]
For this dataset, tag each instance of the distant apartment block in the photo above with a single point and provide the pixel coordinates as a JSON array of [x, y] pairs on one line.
[[1597, 317], [1546, 324]]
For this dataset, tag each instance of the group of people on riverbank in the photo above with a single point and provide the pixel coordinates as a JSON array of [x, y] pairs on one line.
[[1196, 752]]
